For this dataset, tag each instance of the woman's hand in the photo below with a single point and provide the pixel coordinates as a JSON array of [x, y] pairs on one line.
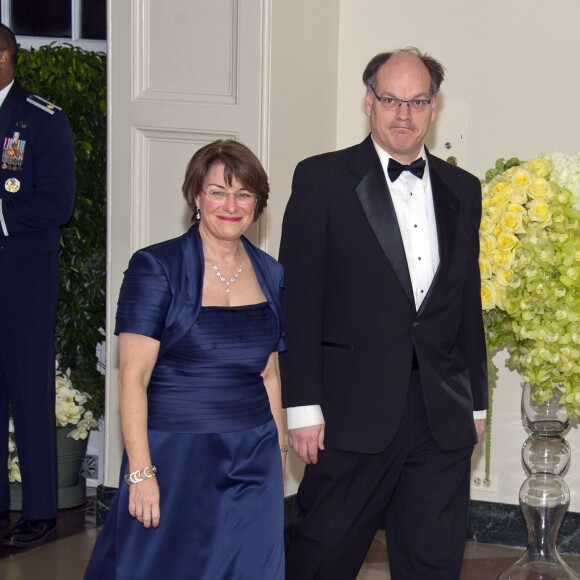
[[144, 502]]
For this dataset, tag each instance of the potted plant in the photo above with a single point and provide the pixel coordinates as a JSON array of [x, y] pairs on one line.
[[530, 271], [75, 79]]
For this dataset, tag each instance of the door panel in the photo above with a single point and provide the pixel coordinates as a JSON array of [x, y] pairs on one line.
[[181, 74]]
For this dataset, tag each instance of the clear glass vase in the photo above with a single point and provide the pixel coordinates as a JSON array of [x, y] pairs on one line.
[[544, 495]]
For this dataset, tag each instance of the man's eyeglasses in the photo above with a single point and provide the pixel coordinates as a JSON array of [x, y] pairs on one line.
[[392, 104], [241, 197]]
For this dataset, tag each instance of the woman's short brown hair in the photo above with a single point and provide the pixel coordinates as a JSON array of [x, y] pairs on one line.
[[238, 161]]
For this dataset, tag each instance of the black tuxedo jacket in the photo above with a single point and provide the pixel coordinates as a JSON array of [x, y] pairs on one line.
[[350, 315]]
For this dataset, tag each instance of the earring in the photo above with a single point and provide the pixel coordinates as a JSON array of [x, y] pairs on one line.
[[197, 215]]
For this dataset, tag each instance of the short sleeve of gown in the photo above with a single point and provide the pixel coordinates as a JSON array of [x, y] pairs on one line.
[[144, 298]]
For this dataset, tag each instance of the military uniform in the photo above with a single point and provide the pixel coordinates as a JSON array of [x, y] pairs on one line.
[[37, 191]]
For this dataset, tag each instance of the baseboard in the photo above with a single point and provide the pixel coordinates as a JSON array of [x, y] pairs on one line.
[[497, 523], [489, 522]]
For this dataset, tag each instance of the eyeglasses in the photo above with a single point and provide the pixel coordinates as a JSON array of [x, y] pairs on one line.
[[392, 104], [241, 197]]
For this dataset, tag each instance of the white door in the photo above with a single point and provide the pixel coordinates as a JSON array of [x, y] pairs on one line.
[[182, 73]]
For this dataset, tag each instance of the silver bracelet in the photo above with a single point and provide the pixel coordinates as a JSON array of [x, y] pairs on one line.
[[284, 448], [140, 475]]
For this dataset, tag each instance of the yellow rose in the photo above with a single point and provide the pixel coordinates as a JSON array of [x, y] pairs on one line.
[[521, 178], [540, 166], [502, 259], [486, 226], [518, 196], [512, 221], [485, 270], [503, 277], [487, 244], [494, 213], [487, 295], [539, 188], [539, 211], [500, 201], [501, 188], [507, 241]]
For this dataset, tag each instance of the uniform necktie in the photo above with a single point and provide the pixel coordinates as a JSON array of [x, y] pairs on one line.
[[395, 168]]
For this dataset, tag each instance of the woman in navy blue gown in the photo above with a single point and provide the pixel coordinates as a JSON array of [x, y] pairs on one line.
[[199, 323]]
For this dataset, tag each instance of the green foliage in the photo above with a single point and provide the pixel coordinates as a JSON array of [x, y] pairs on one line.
[[500, 166], [75, 79]]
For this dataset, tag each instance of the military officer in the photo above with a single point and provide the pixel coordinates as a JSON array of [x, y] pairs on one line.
[[37, 190]]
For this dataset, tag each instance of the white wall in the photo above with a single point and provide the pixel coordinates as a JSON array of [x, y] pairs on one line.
[[303, 87], [514, 65], [514, 62], [302, 111]]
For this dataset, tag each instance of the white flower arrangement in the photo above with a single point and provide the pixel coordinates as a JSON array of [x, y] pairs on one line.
[[530, 271], [69, 409]]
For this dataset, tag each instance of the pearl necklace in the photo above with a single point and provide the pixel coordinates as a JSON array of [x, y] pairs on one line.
[[223, 279]]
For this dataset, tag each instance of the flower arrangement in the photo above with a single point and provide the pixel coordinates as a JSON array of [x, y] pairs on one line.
[[530, 272], [70, 409]]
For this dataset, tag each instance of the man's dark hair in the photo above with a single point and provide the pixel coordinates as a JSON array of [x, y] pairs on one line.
[[435, 68], [8, 42]]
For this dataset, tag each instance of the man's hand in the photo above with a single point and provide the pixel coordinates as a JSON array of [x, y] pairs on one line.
[[306, 442], [480, 428]]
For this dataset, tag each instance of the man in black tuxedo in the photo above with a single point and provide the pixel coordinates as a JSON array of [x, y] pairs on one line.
[[385, 373], [37, 193]]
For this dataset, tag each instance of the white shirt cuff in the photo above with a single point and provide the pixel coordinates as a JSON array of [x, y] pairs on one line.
[[304, 416], [480, 414]]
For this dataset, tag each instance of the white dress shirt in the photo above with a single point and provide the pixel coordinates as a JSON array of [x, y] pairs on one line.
[[413, 202]]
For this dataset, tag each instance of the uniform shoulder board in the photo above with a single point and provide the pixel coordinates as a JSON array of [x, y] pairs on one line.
[[43, 104]]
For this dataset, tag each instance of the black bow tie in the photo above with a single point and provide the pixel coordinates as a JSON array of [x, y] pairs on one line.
[[395, 168]]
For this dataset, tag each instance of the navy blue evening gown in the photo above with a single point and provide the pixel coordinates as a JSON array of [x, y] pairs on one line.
[[215, 445]]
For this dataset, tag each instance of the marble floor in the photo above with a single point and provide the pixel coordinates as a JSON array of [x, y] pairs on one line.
[[65, 557]]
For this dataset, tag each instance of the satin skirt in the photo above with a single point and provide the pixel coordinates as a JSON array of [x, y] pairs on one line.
[[221, 512]]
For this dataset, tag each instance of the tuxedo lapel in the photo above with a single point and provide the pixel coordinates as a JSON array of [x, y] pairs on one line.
[[375, 199]]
